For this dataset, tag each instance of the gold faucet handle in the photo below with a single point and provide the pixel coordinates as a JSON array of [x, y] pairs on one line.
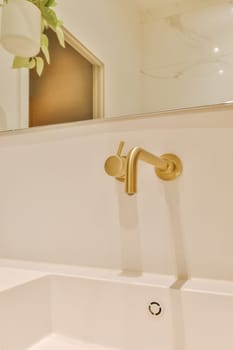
[[120, 147], [115, 165]]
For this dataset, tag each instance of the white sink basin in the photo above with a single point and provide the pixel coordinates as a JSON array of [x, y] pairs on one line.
[[79, 313], [58, 308]]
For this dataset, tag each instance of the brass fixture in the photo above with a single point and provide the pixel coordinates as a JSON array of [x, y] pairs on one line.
[[124, 168], [116, 165], [167, 167]]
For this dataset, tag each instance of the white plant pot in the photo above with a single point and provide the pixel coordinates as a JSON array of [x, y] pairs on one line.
[[21, 28]]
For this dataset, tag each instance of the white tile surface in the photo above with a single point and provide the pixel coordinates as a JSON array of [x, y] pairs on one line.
[[19, 269], [25, 314], [54, 342], [59, 210], [12, 277], [208, 286], [208, 320]]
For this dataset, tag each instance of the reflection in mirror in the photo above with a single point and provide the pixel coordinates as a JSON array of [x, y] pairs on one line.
[[157, 55], [187, 53], [64, 92]]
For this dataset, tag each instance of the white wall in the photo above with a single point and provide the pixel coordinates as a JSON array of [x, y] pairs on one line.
[[58, 205]]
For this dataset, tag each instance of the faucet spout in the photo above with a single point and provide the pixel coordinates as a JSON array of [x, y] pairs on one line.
[[133, 157]]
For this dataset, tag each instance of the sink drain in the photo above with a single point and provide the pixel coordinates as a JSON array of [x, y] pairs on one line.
[[155, 308]]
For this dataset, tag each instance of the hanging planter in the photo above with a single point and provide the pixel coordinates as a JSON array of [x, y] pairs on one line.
[[23, 31], [20, 33]]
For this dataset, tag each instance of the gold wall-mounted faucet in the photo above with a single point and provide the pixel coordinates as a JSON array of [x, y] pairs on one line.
[[124, 167]]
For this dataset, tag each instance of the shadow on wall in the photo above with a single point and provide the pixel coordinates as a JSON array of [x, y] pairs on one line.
[[3, 121], [131, 238], [129, 233], [172, 196]]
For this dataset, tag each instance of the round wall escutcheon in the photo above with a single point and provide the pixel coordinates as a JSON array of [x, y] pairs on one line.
[[173, 170]]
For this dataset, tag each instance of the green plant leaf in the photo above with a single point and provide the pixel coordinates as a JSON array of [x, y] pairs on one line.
[[45, 51], [44, 40], [50, 16], [51, 3], [39, 65], [44, 25], [21, 62], [32, 63], [60, 36]]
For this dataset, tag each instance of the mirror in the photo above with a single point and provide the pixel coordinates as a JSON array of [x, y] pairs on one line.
[[152, 56]]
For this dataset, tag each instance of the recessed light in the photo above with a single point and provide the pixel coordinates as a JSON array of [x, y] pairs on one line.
[[221, 71], [216, 49]]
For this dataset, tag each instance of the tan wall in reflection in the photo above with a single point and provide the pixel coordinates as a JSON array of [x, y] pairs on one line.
[[64, 93]]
